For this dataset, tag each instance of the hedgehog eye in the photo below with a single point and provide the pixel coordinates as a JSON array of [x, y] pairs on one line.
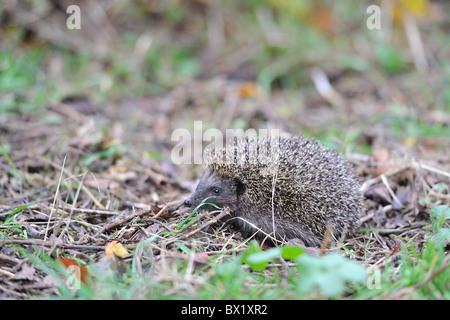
[[216, 190]]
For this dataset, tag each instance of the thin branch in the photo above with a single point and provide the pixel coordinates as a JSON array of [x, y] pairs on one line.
[[45, 243]]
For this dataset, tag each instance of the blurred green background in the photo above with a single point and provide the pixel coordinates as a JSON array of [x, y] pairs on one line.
[[274, 52]]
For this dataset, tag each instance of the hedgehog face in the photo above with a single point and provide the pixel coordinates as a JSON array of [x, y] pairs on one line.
[[224, 192]]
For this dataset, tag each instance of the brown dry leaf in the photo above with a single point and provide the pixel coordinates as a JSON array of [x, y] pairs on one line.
[[381, 154], [323, 19], [199, 259], [153, 228], [109, 265], [248, 89], [404, 195], [156, 178], [396, 248], [121, 172], [78, 106], [27, 273], [88, 134], [115, 249], [95, 182], [381, 157], [379, 194], [399, 8], [49, 281], [74, 266], [382, 169]]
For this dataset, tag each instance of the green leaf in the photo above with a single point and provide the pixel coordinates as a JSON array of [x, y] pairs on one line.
[[440, 212], [260, 260], [291, 252], [328, 273], [154, 154], [231, 275], [438, 216], [390, 58], [252, 249], [443, 235]]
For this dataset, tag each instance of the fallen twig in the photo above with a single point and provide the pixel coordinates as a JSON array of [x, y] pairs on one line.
[[117, 224], [46, 243]]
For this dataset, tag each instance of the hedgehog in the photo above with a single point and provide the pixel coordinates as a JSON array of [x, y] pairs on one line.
[[285, 188]]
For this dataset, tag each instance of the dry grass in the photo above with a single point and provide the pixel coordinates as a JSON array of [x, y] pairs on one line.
[[61, 205], [86, 137]]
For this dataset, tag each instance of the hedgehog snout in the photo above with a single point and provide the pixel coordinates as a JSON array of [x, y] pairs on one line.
[[188, 202]]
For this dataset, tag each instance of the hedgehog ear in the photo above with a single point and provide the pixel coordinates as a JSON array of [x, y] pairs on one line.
[[240, 186]]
